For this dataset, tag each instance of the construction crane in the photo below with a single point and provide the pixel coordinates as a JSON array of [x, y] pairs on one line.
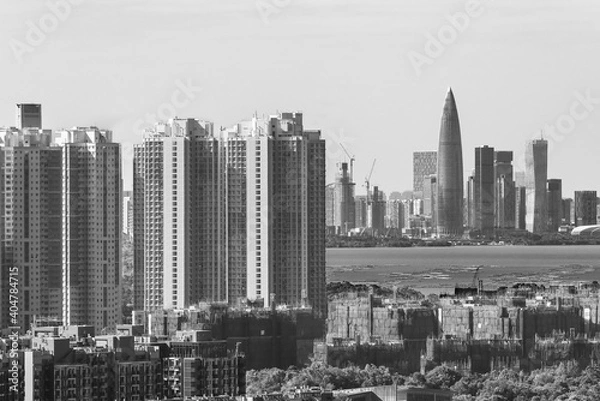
[[368, 181], [477, 282], [352, 159]]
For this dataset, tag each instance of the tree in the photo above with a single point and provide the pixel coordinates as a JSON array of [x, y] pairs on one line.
[[264, 381], [442, 377]]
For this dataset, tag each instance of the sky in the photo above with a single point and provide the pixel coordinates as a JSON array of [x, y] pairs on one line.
[[371, 74]]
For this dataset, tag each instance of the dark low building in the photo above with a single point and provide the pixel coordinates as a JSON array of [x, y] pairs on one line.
[[394, 392]]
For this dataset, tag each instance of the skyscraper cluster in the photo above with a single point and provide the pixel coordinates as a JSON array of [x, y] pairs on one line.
[[230, 216], [60, 220], [496, 196], [491, 191]]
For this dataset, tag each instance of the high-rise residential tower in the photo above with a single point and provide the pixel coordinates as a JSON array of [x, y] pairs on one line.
[[450, 172], [92, 196], [536, 175], [31, 207], [424, 164], [554, 204], [240, 214], [483, 189], [285, 199], [61, 225], [178, 200]]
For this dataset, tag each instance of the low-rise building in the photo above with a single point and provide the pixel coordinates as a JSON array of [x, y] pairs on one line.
[[394, 392], [76, 365]]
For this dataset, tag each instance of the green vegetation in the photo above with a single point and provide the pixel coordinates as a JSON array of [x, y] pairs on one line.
[[316, 374], [339, 241], [566, 381], [344, 287], [527, 238], [508, 237]]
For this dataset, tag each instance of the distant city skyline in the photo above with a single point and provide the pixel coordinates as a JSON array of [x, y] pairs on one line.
[[346, 65]]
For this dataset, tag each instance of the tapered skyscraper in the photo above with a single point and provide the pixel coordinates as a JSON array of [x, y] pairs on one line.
[[450, 172]]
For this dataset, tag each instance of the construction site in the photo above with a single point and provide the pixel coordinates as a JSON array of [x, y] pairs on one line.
[[524, 327], [267, 337], [476, 329]]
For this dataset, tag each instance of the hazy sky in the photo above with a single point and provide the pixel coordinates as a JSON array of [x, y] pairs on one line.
[[515, 67]]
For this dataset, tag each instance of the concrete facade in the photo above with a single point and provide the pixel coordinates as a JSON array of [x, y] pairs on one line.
[[230, 216], [61, 225], [175, 207], [424, 164]]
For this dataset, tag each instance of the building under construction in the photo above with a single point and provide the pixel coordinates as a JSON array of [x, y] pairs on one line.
[[476, 330]]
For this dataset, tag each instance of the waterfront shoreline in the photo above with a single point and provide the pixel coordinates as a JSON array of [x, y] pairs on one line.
[[439, 269]]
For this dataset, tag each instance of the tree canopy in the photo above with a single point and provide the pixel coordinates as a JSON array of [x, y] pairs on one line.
[[566, 381]]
